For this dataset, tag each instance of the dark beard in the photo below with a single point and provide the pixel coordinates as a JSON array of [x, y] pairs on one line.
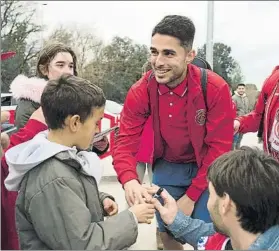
[[176, 80]]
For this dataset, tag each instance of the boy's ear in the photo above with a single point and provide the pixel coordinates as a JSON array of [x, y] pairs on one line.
[[190, 56], [73, 123]]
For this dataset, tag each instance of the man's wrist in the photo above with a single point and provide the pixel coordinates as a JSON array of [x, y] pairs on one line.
[[127, 176], [170, 222], [176, 224], [129, 182]]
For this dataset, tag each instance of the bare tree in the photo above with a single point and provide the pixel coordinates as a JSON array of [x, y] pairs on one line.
[[17, 32]]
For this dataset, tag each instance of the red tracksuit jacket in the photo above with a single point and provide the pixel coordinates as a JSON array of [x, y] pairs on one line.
[[251, 121], [211, 129]]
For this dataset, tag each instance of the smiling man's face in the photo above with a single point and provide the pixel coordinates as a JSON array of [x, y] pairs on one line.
[[169, 59]]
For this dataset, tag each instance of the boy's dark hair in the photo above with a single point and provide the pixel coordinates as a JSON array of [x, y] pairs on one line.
[[180, 27], [240, 85], [49, 52], [250, 177], [69, 95]]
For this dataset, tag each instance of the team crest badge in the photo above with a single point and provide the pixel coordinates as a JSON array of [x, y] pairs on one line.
[[200, 117]]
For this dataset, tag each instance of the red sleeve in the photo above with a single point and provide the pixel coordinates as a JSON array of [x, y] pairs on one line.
[[26, 133], [219, 135], [251, 122], [132, 120]]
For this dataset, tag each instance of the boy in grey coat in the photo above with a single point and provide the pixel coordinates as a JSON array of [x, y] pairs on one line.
[[59, 205], [242, 108]]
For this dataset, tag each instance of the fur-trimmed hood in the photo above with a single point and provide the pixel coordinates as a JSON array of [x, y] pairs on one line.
[[23, 87]]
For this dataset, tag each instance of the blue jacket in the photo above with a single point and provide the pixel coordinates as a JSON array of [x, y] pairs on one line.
[[202, 235]]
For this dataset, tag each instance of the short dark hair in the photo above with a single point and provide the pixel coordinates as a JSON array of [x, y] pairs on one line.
[[180, 27], [49, 52], [250, 177], [240, 85], [69, 95]]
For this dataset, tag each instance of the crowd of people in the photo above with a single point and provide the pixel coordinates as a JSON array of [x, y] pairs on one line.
[[179, 121]]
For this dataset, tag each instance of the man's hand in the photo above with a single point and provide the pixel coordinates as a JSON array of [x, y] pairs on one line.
[[135, 193], [110, 206], [186, 205], [102, 144], [236, 125], [169, 208], [38, 115]]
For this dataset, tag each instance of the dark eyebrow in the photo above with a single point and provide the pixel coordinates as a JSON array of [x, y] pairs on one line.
[[165, 50], [169, 51]]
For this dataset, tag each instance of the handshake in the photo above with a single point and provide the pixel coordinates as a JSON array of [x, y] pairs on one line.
[[144, 207]]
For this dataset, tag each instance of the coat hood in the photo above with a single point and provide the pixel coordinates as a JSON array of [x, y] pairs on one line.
[[23, 157], [23, 87]]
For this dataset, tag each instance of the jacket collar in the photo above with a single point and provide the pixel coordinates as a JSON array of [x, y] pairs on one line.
[[179, 90], [268, 240]]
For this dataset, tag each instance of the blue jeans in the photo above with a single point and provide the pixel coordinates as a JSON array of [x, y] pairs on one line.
[[176, 179]]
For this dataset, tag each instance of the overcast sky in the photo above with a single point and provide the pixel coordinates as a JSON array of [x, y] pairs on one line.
[[250, 28]]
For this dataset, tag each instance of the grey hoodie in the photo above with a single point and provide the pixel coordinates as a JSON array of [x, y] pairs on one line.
[[22, 158], [59, 205]]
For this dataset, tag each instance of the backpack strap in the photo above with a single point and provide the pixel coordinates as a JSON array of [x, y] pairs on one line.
[[148, 89], [204, 84]]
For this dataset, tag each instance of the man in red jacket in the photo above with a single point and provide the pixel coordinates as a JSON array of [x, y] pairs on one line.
[[189, 131], [267, 105]]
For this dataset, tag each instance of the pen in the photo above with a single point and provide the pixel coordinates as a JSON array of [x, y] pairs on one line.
[[158, 193]]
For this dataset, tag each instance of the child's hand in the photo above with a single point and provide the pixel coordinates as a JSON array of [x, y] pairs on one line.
[[110, 206], [144, 212]]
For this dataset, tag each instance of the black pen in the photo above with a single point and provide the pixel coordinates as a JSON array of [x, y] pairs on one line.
[[158, 193]]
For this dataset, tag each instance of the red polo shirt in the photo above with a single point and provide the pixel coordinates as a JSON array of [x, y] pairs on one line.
[[174, 124]]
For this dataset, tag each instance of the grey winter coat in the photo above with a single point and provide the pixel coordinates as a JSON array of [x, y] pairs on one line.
[[242, 104], [59, 205]]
